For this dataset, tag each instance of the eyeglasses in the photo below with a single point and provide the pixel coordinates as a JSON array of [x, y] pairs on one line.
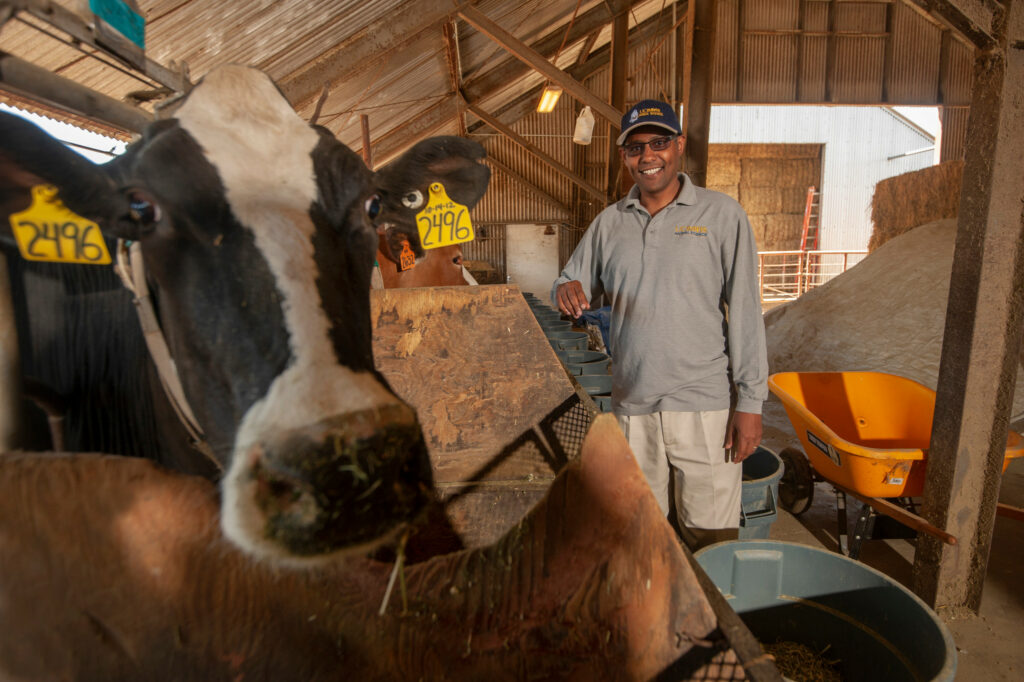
[[658, 144]]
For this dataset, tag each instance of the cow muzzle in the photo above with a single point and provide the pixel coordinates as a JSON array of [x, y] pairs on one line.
[[345, 484]]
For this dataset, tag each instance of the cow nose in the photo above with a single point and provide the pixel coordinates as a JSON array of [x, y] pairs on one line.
[[347, 482]]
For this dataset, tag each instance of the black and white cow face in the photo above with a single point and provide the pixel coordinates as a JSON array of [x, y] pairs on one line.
[[258, 242], [404, 185]]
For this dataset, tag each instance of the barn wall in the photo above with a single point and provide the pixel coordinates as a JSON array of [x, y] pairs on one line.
[[533, 257]]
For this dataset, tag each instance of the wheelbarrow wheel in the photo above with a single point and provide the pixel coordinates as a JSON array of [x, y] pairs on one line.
[[796, 487]]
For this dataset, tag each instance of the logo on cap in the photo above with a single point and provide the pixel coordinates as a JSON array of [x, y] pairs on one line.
[[634, 116]]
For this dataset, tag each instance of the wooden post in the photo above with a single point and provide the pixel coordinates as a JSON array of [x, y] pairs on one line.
[[364, 122], [982, 335], [617, 71], [697, 115], [29, 80]]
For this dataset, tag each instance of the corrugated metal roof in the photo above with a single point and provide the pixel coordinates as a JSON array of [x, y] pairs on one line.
[[388, 59]]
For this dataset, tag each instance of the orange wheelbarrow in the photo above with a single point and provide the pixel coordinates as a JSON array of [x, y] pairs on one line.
[[866, 433]]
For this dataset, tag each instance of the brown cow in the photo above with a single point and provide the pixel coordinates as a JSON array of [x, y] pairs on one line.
[[115, 569], [441, 267]]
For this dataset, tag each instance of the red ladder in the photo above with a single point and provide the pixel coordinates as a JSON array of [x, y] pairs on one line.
[[812, 211]]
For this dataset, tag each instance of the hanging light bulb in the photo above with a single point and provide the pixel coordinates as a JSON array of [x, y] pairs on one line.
[[549, 98]]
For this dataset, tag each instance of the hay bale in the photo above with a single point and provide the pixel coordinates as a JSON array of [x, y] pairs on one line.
[[761, 200], [731, 190], [783, 231], [906, 201]]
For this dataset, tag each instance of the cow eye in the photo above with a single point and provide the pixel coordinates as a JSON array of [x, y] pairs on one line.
[[372, 206], [143, 210], [413, 199]]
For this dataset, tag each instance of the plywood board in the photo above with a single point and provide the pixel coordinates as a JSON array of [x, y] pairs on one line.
[[477, 368]]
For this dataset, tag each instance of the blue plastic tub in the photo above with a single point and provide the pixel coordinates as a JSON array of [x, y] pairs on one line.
[[874, 627], [761, 473]]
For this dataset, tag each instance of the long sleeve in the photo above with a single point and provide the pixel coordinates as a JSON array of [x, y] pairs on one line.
[[748, 356], [584, 265]]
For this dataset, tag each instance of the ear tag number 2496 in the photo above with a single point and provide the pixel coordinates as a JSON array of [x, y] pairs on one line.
[[443, 222], [48, 231]]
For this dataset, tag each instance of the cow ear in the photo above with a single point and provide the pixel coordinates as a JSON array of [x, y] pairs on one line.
[[27, 151], [453, 161]]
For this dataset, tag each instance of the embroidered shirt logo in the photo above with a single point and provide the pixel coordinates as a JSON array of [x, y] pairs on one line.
[[695, 230]]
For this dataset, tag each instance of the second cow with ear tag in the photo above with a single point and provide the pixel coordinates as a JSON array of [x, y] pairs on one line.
[[447, 170]]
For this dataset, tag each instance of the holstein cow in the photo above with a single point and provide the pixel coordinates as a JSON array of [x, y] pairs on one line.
[[258, 235], [405, 191]]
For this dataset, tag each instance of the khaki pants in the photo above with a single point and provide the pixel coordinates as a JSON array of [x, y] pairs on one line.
[[708, 486]]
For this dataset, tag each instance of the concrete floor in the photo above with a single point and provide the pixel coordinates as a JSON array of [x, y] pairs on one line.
[[990, 645]]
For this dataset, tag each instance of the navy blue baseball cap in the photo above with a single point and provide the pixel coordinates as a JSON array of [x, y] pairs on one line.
[[648, 112]]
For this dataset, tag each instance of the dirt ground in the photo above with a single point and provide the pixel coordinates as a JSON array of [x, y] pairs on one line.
[[989, 645]]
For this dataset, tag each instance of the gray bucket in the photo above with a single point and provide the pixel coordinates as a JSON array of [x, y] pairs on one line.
[[547, 314], [761, 473], [876, 628], [582, 356], [596, 368], [555, 325], [567, 340], [596, 384]]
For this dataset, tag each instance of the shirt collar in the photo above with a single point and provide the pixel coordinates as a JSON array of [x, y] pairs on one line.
[[687, 194]]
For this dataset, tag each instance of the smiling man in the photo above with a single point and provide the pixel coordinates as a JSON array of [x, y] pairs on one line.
[[678, 265]]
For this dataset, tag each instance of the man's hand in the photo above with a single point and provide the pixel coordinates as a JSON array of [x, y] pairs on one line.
[[743, 435], [571, 299]]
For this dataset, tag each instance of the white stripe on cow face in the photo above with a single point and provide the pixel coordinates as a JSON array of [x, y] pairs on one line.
[[262, 152]]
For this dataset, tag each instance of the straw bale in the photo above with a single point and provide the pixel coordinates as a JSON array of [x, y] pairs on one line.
[[731, 190], [906, 201], [780, 172], [760, 199], [766, 151], [783, 231], [723, 170], [794, 199], [759, 226]]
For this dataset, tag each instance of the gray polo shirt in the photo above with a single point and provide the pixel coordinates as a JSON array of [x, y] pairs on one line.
[[670, 280]]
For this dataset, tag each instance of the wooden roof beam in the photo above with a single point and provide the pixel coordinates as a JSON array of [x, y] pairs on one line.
[[528, 146], [369, 45], [588, 24], [524, 52], [399, 139], [28, 80], [527, 102], [974, 19], [391, 145], [454, 60], [67, 21], [541, 194]]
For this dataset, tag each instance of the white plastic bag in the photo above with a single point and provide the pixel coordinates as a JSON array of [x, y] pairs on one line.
[[584, 127]]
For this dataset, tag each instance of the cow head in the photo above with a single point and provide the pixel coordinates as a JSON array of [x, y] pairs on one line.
[[258, 236], [404, 191]]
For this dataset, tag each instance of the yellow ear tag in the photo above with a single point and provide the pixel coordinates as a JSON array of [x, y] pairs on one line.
[[407, 257], [443, 222], [48, 231]]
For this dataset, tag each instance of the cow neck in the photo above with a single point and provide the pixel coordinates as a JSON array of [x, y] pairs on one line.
[[132, 272]]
